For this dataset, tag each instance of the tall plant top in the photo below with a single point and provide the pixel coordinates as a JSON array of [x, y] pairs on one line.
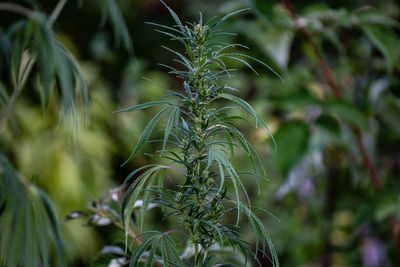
[[200, 139]]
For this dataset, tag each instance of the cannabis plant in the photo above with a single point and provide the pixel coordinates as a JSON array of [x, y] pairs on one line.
[[33, 56], [200, 142]]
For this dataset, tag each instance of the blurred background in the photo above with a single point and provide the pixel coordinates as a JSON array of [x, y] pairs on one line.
[[334, 179]]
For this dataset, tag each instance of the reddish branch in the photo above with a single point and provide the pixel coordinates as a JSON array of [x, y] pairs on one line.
[[327, 73], [328, 76], [367, 160]]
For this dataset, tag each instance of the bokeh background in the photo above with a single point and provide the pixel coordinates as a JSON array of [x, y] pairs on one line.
[[329, 211]]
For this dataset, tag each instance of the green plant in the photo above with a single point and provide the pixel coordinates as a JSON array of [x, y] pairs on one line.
[[334, 143], [33, 56], [200, 142]]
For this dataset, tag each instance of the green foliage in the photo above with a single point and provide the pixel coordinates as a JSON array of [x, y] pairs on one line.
[[330, 213], [199, 142], [385, 40], [326, 166], [28, 211], [109, 8], [167, 249], [34, 44], [34, 56], [292, 139]]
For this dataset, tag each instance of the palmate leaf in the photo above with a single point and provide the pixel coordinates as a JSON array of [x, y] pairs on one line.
[[35, 36], [245, 145], [29, 222], [261, 234], [46, 56], [70, 80], [242, 104], [171, 124], [146, 133], [236, 55], [225, 166], [246, 107], [143, 184], [158, 241], [134, 191], [251, 153], [34, 43], [110, 9]]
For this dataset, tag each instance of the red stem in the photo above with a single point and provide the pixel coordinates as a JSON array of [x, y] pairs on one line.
[[367, 160], [327, 72]]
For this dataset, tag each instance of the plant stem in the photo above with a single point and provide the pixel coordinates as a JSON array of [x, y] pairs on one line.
[[196, 254], [18, 9], [367, 160], [56, 11], [119, 225]]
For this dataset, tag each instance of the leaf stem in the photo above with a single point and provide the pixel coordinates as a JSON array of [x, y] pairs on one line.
[[196, 254], [56, 11], [119, 225], [205, 255]]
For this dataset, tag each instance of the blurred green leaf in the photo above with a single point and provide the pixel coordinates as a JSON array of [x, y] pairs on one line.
[[385, 40], [34, 224], [110, 9], [389, 205], [375, 16], [292, 140], [329, 123], [298, 100], [348, 113]]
